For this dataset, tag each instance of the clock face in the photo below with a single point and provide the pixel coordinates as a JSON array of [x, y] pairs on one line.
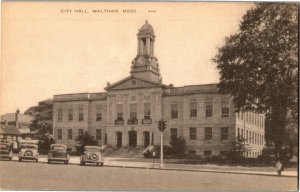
[[141, 61]]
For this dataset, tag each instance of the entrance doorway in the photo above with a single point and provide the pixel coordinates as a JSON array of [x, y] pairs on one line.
[[146, 138], [132, 135], [119, 139]]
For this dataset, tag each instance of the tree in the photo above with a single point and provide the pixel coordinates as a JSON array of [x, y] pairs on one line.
[[42, 123], [44, 143], [83, 140], [259, 65], [42, 118], [239, 148]]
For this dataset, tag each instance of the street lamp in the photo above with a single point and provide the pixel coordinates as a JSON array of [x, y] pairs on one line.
[[161, 126]]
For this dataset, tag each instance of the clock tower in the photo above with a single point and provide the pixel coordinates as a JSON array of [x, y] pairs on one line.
[[145, 65]]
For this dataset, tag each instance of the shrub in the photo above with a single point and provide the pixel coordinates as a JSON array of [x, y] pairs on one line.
[[148, 152], [84, 140], [178, 145]]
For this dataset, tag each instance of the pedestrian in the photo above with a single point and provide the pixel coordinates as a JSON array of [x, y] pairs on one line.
[[278, 167]]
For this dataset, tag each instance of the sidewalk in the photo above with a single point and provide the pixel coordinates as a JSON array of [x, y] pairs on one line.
[[140, 163], [123, 162]]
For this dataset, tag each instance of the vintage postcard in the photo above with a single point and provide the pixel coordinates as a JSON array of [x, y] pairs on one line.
[[149, 96]]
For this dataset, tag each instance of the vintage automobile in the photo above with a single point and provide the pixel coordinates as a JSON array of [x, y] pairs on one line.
[[6, 150], [28, 151], [58, 152], [92, 154]]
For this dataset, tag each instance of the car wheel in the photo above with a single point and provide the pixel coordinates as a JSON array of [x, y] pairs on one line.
[[36, 160], [66, 162], [101, 164], [97, 164], [20, 159], [49, 161], [81, 163]]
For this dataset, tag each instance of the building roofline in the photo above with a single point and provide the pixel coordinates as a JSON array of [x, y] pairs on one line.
[[72, 93]]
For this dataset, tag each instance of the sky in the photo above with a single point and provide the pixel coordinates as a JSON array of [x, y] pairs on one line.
[[52, 48]]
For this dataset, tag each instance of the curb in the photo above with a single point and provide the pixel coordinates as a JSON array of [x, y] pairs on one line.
[[181, 169], [198, 170]]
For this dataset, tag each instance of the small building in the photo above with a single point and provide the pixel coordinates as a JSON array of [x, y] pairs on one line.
[[18, 121]]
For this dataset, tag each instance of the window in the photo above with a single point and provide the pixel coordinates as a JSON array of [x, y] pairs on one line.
[[173, 133], [238, 133], [69, 133], [208, 133], [225, 111], [133, 111], [132, 98], [242, 134], [80, 117], [59, 134], [208, 108], [207, 152], [224, 133], [247, 138], [119, 111], [174, 111], [147, 111], [70, 114], [80, 131], [225, 107], [59, 114], [193, 133], [193, 109], [98, 134], [98, 113]]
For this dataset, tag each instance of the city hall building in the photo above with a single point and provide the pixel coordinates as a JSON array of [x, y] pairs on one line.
[[127, 113]]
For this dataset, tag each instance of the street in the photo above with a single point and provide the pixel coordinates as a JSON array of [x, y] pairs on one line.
[[42, 176]]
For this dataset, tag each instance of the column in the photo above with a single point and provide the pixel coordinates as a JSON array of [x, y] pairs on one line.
[[148, 46], [138, 46], [152, 45], [150, 138]]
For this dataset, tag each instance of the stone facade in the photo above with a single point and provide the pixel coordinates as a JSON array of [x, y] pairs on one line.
[[128, 112]]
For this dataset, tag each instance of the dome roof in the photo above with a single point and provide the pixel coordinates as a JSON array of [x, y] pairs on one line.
[[146, 29]]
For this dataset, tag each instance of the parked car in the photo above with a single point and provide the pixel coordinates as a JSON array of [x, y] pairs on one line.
[[58, 152], [6, 150], [92, 154], [29, 152]]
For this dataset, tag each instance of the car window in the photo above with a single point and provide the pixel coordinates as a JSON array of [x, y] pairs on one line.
[[59, 148], [29, 146], [92, 150]]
